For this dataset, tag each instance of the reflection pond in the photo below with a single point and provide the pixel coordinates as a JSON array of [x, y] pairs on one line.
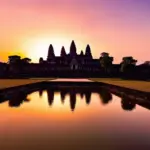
[[73, 118]]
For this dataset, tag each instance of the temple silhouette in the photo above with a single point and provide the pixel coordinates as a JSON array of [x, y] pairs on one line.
[[74, 65], [71, 61]]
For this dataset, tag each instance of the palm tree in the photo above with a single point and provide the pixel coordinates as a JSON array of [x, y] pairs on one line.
[[128, 69], [26, 60], [127, 62], [106, 62]]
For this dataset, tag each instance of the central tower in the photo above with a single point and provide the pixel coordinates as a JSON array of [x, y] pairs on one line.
[[51, 54], [73, 50]]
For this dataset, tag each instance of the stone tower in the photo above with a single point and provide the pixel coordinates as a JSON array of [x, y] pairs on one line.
[[51, 54], [88, 53], [73, 50], [63, 52], [81, 53]]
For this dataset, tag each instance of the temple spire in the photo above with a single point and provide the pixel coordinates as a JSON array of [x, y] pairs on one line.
[[63, 52], [88, 53], [73, 50], [81, 53], [51, 54]]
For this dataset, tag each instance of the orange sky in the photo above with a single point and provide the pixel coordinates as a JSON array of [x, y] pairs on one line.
[[120, 28]]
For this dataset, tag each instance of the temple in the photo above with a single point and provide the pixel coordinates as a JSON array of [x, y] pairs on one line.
[[74, 65], [71, 61]]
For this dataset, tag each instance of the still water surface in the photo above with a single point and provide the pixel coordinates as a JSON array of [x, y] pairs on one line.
[[73, 119]]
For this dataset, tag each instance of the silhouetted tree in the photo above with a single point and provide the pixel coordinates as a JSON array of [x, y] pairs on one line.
[[14, 59], [127, 62], [25, 61], [128, 66], [15, 65], [106, 62]]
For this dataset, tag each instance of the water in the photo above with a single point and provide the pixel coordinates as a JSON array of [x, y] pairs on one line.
[[70, 80], [72, 118]]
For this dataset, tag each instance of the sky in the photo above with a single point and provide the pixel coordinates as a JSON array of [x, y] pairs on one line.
[[119, 27]]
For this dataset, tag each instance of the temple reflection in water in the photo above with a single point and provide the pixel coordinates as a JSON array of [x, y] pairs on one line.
[[73, 117], [127, 103]]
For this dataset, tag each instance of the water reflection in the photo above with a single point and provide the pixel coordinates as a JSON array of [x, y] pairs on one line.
[[105, 96], [72, 92], [97, 119], [63, 96], [50, 94], [17, 98], [40, 92], [127, 104]]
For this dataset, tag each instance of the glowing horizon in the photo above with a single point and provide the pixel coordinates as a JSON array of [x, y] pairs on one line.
[[39, 47], [120, 28]]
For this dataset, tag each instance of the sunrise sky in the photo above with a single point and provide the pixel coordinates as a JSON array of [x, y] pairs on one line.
[[120, 27]]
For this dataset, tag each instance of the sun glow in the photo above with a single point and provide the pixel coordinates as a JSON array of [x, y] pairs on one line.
[[38, 47]]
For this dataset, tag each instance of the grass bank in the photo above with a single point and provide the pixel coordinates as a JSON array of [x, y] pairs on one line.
[[143, 86], [8, 83]]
